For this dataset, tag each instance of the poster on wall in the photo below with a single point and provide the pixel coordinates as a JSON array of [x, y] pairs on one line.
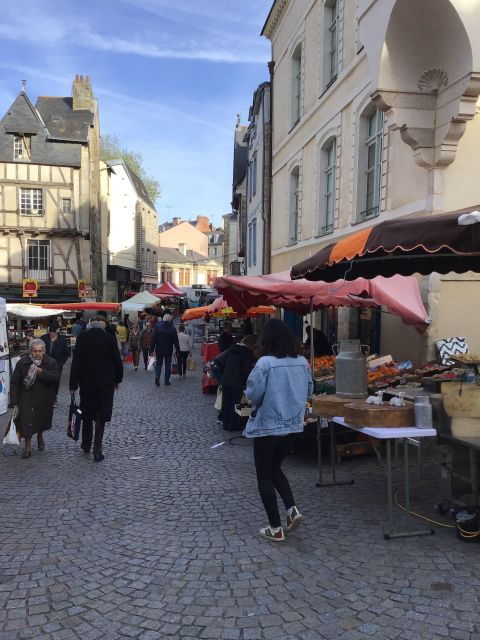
[[30, 288], [3, 337], [82, 288], [4, 385]]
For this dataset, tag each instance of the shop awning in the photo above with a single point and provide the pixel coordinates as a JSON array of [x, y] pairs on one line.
[[84, 306], [435, 243], [168, 290], [399, 294]]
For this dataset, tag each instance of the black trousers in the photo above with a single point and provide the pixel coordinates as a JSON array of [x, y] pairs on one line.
[[230, 397], [87, 434], [182, 362], [146, 355], [269, 453], [57, 384]]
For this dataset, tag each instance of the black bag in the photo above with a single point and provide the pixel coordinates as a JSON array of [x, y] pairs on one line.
[[74, 420]]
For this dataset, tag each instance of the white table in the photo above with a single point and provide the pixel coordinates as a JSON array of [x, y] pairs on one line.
[[380, 433]]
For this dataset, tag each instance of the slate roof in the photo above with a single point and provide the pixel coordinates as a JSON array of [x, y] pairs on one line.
[[170, 254], [137, 183], [22, 118], [62, 122]]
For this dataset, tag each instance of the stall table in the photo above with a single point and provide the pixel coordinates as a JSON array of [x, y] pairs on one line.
[[472, 443], [406, 434], [209, 351]]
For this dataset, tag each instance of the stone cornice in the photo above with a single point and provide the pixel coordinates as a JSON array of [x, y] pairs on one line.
[[274, 17]]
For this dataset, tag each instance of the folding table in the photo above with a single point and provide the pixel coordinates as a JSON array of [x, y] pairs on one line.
[[381, 433]]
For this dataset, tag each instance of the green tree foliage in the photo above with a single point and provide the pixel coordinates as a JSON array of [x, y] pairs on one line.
[[111, 149]]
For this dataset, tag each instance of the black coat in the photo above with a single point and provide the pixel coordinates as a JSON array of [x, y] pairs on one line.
[[225, 341], [96, 367], [60, 351], [165, 337], [235, 365], [35, 404]]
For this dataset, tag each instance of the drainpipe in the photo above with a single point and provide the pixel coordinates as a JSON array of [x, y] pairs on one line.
[[267, 181]]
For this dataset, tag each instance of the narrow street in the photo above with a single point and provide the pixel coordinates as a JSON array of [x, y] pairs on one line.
[[166, 545]]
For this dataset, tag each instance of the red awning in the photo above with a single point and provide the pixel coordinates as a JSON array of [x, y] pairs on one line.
[[168, 290], [399, 294], [84, 306]]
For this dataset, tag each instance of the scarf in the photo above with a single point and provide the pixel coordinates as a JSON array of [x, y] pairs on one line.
[[96, 324], [32, 373]]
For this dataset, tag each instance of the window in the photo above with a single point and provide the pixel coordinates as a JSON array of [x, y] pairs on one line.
[[181, 277], [211, 275], [66, 205], [249, 245], [38, 259], [166, 274], [294, 202], [148, 261], [327, 208], [296, 84], [31, 202], [373, 165], [254, 174], [332, 20], [155, 264], [21, 148], [187, 277], [254, 242]]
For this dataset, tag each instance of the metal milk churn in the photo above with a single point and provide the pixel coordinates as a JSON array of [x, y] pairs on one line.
[[351, 368]]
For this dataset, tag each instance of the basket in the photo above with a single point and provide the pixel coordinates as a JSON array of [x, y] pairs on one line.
[[461, 399]]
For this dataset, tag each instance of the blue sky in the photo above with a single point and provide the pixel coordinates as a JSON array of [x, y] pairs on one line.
[[170, 77]]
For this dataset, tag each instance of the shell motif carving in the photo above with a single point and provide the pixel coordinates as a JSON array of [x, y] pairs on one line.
[[432, 80]]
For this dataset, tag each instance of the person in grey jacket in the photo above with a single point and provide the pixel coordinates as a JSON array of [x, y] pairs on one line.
[[278, 388]]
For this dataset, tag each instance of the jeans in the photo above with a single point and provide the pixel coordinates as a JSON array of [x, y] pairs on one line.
[[230, 397], [182, 362], [124, 350], [146, 355], [269, 453], [168, 366], [87, 434]]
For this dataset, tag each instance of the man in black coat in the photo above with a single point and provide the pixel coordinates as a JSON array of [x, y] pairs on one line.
[[57, 348], [165, 337], [97, 368], [226, 339]]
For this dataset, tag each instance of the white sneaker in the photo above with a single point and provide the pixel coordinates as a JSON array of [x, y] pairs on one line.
[[293, 520], [273, 536]]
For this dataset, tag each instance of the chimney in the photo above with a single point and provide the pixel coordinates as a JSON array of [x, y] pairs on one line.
[[203, 224], [182, 247], [175, 221], [82, 94]]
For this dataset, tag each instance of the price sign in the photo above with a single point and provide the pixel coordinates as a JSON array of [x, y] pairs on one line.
[[30, 288]]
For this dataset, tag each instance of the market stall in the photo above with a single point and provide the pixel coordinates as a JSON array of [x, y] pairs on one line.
[[168, 290], [139, 302]]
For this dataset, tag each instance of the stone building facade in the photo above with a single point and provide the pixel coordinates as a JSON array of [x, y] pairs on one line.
[[50, 210], [376, 116]]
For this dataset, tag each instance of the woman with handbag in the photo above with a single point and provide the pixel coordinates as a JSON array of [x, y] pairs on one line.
[[32, 393], [278, 388]]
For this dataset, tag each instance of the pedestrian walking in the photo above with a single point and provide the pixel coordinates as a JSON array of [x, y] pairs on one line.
[[234, 366], [146, 340], [56, 347], [32, 394], [134, 345], [278, 388], [226, 339], [77, 328], [122, 333], [97, 369], [185, 342], [165, 338]]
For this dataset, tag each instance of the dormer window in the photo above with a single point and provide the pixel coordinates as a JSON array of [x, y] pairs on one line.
[[21, 147]]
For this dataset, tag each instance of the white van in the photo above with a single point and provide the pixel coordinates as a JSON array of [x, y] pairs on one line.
[[196, 294]]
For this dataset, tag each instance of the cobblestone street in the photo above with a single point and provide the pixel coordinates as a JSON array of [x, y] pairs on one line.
[[167, 545]]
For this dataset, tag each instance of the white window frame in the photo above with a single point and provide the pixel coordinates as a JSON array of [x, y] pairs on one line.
[[333, 9], [294, 205], [254, 174], [254, 242], [68, 208], [371, 166], [328, 187], [296, 89], [18, 148], [36, 272], [29, 201]]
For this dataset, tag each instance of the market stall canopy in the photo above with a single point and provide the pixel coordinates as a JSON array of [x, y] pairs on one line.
[[197, 313], [3, 308], [168, 290], [26, 310], [84, 306], [140, 301], [435, 243], [400, 295]]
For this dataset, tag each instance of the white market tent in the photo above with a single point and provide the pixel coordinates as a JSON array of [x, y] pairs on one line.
[[140, 301], [26, 310]]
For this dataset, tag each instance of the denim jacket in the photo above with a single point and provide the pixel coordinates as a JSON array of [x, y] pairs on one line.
[[278, 388]]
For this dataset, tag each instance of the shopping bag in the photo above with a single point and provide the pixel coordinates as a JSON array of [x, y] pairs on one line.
[[174, 369], [129, 358], [151, 363], [74, 420], [218, 401], [11, 435], [191, 363]]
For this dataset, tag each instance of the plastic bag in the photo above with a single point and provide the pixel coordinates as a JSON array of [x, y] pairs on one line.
[[191, 363], [11, 435], [151, 363], [218, 401]]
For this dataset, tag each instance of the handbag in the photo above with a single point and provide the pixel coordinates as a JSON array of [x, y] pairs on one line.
[[74, 419], [191, 363], [174, 368], [218, 401], [151, 363]]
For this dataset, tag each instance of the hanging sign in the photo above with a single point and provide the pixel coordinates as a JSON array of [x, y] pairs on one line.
[[82, 288], [30, 288]]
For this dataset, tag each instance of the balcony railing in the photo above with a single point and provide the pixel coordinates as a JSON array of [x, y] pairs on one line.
[[42, 275]]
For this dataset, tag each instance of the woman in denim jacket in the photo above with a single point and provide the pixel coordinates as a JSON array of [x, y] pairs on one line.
[[278, 388]]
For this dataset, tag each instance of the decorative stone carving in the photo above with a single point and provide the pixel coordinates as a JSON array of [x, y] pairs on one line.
[[432, 80]]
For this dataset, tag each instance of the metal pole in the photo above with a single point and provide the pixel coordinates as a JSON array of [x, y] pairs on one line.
[[407, 477], [389, 489], [332, 452], [319, 451], [312, 350]]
